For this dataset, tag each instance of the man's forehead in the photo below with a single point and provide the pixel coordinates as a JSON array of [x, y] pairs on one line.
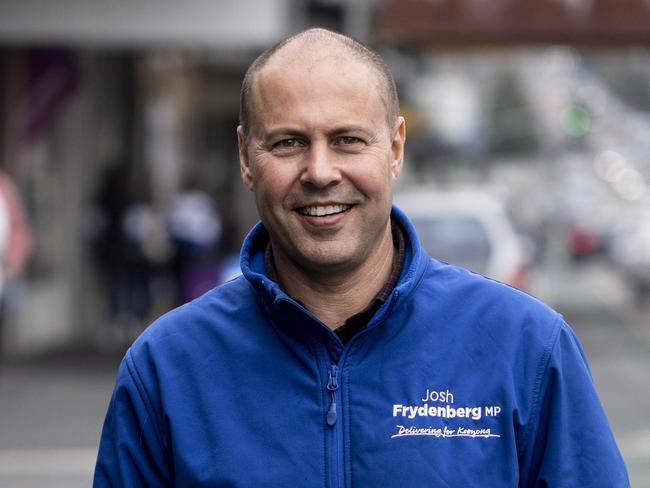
[[290, 89], [320, 65], [304, 57], [303, 72]]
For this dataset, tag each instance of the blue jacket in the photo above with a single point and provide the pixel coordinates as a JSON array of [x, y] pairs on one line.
[[458, 381]]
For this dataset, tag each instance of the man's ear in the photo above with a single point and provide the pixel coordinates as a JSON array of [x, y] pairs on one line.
[[244, 161], [397, 146]]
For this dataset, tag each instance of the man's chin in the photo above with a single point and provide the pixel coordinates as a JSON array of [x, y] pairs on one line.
[[328, 259]]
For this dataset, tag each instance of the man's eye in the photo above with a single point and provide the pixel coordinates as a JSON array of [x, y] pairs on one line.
[[349, 140], [287, 143]]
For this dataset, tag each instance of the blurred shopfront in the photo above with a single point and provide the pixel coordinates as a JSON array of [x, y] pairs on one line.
[[110, 117]]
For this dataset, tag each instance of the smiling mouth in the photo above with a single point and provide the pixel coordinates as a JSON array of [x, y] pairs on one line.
[[323, 210]]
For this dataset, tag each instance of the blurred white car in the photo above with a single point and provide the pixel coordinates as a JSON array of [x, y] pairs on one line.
[[469, 228], [631, 251]]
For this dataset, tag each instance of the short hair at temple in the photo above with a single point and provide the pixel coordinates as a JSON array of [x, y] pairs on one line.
[[358, 51]]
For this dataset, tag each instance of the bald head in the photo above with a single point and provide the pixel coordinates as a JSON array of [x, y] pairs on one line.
[[308, 47]]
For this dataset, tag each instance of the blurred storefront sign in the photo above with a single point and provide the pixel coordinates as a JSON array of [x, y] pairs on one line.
[[424, 22], [241, 23]]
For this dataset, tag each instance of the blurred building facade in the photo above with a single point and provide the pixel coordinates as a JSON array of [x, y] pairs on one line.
[[434, 23], [87, 87], [154, 85]]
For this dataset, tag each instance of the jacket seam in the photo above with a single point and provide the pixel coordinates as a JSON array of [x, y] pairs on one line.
[[542, 371], [359, 342], [144, 398], [320, 359], [351, 363], [314, 349], [322, 356], [347, 432]]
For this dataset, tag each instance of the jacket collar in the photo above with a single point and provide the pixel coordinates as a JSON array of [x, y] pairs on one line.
[[253, 267]]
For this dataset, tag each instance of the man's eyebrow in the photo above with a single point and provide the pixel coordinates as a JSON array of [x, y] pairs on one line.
[[337, 131], [282, 131], [350, 128]]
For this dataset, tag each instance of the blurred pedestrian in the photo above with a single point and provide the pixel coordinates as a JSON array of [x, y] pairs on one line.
[[194, 227], [126, 242], [15, 243], [344, 355]]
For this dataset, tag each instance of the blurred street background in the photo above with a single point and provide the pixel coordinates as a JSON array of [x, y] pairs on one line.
[[120, 194]]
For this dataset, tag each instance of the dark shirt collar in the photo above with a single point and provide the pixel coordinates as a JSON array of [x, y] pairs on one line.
[[358, 321]]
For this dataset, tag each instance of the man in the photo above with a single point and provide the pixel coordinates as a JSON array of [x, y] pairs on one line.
[[345, 356]]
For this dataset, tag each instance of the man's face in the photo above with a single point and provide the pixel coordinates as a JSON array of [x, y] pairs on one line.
[[321, 159]]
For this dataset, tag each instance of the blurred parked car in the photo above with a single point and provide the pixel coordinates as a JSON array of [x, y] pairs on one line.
[[631, 252], [586, 241], [585, 206], [469, 228]]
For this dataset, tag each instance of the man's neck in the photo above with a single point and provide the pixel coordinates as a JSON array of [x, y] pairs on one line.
[[333, 297]]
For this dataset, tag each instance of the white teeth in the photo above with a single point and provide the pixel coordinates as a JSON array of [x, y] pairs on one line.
[[322, 210]]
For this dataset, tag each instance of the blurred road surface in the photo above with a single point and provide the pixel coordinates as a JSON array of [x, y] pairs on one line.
[[51, 412], [52, 408]]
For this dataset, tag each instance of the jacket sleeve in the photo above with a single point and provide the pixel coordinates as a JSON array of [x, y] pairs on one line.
[[131, 448], [570, 443]]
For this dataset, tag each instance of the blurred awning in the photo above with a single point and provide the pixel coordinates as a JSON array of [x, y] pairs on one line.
[[134, 23], [431, 22]]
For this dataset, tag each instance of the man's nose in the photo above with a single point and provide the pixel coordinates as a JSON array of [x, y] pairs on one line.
[[320, 168]]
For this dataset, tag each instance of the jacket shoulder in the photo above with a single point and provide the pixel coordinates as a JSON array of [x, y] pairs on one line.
[[220, 311], [487, 309]]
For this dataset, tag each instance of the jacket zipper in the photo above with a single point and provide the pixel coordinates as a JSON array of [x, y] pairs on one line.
[[334, 423], [333, 412]]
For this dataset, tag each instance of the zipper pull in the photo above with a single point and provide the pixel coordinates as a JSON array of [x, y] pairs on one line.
[[332, 386]]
